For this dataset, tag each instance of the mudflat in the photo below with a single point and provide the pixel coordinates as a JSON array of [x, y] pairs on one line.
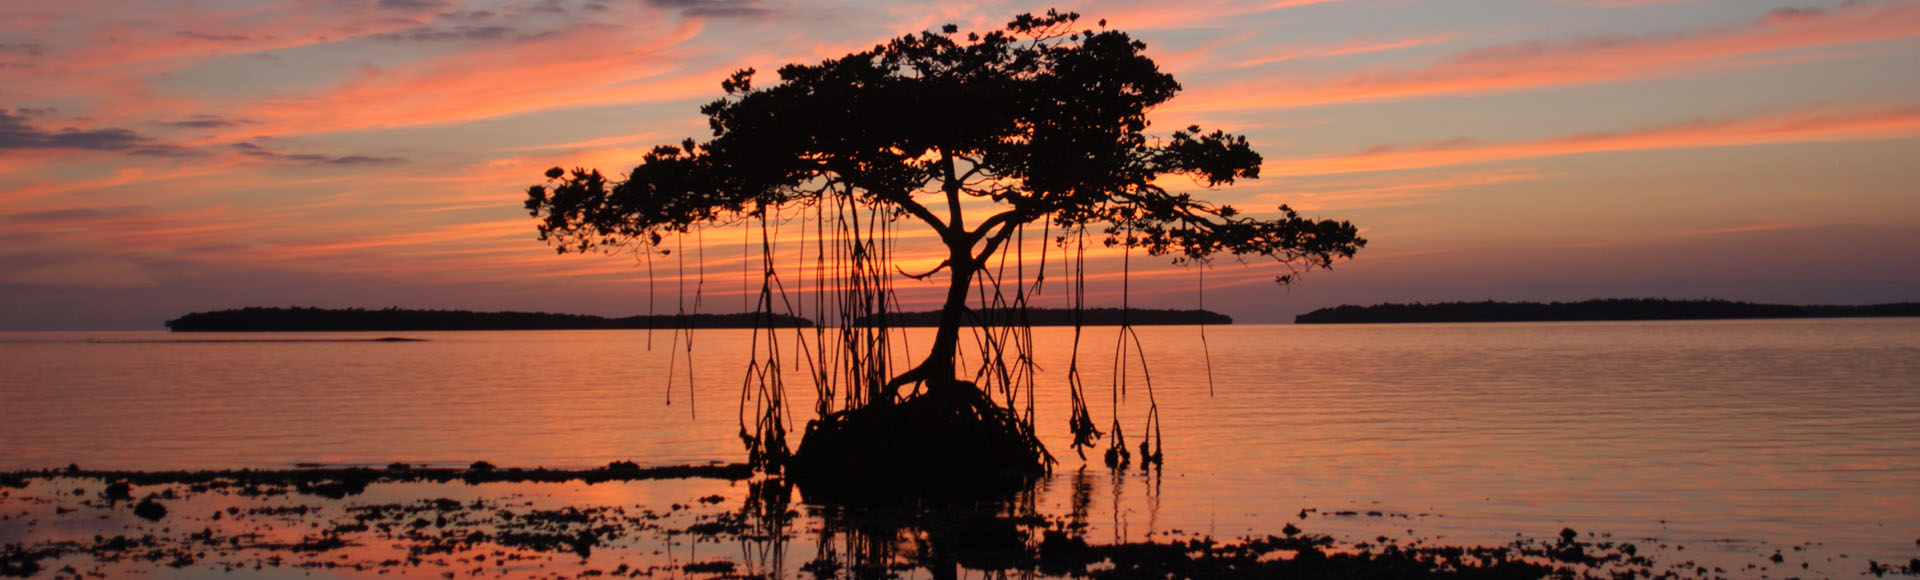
[[719, 520]]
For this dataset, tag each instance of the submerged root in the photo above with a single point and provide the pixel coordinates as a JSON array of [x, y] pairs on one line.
[[952, 442]]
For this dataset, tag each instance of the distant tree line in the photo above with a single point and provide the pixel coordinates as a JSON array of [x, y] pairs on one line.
[[258, 319], [1058, 317], [1602, 309]]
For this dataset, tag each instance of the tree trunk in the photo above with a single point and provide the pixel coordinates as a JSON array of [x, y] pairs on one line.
[[939, 371]]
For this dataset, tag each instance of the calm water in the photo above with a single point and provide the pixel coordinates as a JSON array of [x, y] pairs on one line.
[[1733, 434]]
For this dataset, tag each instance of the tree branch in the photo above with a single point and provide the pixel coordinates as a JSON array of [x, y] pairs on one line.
[[952, 187], [906, 202], [997, 219], [973, 168], [993, 244], [923, 276]]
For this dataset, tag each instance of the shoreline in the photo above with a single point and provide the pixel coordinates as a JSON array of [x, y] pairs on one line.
[[507, 522]]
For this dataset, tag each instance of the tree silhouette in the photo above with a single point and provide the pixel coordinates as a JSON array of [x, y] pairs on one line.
[[974, 137]]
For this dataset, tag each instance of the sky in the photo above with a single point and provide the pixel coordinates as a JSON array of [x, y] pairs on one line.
[[160, 158]]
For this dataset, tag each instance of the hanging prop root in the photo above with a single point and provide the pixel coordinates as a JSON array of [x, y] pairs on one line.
[[952, 441], [858, 139]]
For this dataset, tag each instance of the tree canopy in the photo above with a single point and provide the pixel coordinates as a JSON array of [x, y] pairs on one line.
[[1047, 121], [1042, 122]]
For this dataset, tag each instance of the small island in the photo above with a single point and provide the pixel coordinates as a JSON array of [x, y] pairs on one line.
[[257, 319], [1591, 310], [1056, 317]]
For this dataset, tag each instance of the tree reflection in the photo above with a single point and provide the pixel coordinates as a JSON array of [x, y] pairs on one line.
[[1004, 535]]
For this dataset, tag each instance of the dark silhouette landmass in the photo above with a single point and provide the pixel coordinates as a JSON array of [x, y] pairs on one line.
[[1061, 317], [1592, 310], [257, 319]]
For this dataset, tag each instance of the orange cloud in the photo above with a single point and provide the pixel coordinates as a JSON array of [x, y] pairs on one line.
[[456, 235], [1344, 49], [1539, 64], [85, 273], [183, 32], [1394, 191], [1800, 127], [285, 236], [22, 192], [1623, 3], [583, 67], [1720, 231], [1156, 16], [521, 64], [122, 233], [109, 63]]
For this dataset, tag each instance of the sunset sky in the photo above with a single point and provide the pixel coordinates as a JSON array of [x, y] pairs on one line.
[[163, 157]]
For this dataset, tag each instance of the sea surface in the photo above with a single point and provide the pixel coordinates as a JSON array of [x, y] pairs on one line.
[[1736, 438]]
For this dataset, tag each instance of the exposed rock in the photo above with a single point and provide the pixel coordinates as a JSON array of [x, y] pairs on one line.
[[150, 509]]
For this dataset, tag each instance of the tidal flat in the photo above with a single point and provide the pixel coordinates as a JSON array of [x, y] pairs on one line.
[[709, 521]]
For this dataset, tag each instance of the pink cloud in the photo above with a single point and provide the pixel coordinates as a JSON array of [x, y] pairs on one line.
[[1136, 16], [1344, 49], [126, 34], [1624, 3], [1793, 127], [1393, 191], [110, 57], [584, 67], [1542, 64], [26, 190]]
